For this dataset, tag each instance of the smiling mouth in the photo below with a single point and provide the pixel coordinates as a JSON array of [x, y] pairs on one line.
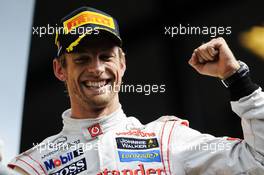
[[96, 84]]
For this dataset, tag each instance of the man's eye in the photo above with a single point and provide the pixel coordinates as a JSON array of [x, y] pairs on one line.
[[80, 60], [106, 57]]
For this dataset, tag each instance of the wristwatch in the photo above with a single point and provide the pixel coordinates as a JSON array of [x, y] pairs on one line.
[[241, 72]]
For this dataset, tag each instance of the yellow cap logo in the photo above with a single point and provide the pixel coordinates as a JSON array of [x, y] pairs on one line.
[[88, 18]]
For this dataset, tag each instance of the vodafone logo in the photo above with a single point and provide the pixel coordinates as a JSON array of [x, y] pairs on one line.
[[95, 130]]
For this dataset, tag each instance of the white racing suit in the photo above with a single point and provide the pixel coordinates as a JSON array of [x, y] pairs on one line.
[[120, 145]]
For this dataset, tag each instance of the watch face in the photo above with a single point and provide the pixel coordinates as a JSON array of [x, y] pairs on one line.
[[243, 70]]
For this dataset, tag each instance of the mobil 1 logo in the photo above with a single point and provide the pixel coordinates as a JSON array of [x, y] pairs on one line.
[[62, 159]]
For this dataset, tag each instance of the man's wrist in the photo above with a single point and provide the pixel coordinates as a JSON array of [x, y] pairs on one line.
[[240, 83], [242, 71], [232, 70]]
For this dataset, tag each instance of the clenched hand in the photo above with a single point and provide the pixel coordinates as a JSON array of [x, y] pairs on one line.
[[214, 58]]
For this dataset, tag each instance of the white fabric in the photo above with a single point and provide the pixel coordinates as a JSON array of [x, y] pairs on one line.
[[120, 145]]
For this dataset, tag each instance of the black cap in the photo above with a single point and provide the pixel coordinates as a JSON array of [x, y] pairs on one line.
[[84, 22]]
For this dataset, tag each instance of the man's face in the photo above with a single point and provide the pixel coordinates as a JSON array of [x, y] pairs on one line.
[[92, 73]]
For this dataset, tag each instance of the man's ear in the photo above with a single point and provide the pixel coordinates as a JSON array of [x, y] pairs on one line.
[[123, 65], [122, 61], [58, 70]]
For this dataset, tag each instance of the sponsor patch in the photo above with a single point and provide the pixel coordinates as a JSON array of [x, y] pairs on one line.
[[141, 170], [60, 140], [62, 159], [95, 130], [136, 144], [73, 169], [142, 156], [137, 133]]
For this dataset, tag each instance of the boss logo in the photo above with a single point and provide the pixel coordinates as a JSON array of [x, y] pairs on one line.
[[72, 169]]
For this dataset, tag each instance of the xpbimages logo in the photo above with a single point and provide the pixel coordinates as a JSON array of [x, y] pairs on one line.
[[62, 159]]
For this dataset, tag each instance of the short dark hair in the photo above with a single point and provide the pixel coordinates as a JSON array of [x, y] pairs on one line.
[[62, 60]]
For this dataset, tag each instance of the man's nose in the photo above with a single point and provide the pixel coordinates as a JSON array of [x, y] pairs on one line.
[[96, 66]]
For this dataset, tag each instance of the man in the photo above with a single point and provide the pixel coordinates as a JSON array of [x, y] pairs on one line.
[[98, 138]]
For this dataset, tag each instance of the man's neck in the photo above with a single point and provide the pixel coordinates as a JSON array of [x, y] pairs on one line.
[[89, 112]]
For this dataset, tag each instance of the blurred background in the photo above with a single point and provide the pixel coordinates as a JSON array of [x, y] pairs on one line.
[[153, 58]]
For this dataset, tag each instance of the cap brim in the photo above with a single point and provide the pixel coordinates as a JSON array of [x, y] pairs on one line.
[[109, 35]]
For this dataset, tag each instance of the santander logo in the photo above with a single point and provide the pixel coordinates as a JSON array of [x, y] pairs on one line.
[[140, 171]]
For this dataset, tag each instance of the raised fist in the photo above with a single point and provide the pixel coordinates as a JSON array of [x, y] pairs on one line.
[[214, 58]]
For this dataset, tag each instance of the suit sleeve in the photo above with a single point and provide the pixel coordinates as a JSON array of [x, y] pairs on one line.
[[205, 154], [251, 111], [25, 164]]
